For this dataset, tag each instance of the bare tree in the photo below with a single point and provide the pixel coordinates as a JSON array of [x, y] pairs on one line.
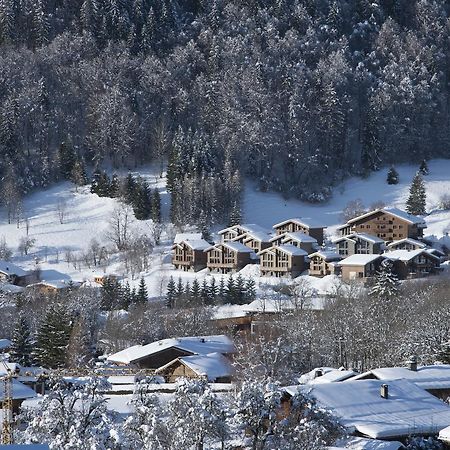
[[27, 225], [301, 293], [25, 244], [161, 138], [353, 209], [119, 227], [61, 208]]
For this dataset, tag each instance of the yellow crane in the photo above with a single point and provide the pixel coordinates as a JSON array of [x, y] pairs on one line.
[[7, 435]]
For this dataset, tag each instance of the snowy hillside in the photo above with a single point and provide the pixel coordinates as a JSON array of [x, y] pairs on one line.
[[87, 216]]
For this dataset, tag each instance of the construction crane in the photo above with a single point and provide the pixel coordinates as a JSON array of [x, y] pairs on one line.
[[7, 435]]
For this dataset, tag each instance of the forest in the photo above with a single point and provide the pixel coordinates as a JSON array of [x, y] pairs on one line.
[[296, 94]]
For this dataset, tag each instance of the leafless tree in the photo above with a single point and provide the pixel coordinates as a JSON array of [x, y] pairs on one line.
[[161, 139], [119, 227], [25, 244], [301, 293], [61, 208], [27, 225], [353, 208]]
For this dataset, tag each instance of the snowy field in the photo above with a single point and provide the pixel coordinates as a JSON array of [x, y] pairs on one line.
[[87, 217]]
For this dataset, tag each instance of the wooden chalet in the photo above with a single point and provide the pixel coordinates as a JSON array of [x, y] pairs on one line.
[[305, 226], [55, 286], [324, 263], [10, 273], [406, 244], [254, 240], [190, 254], [388, 224], [229, 257], [297, 239], [283, 260], [360, 267], [359, 244], [101, 278], [239, 232], [410, 264]]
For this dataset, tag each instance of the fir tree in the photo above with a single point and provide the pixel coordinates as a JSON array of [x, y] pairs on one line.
[[221, 294], [205, 293], [104, 185], [180, 289], [21, 346], [114, 186], [423, 169], [156, 207], [239, 290], [235, 215], [195, 292], [126, 296], [79, 349], [171, 293], [142, 294], [78, 174], [250, 290], [385, 281], [443, 355], [417, 196], [111, 294], [53, 338], [230, 290], [129, 189], [67, 159], [95, 180], [142, 206], [392, 176], [213, 291]]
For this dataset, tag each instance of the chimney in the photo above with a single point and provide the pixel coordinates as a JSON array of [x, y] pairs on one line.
[[412, 363], [318, 373], [384, 391]]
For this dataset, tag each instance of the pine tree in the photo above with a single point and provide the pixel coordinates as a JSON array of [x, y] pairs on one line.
[[142, 294], [213, 291], [250, 290], [443, 355], [79, 349], [392, 176], [235, 215], [104, 185], [423, 169], [195, 292], [78, 174], [180, 289], [156, 206], [205, 293], [417, 196], [221, 294], [67, 159], [95, 181], [230, 290], [114, 186], [239, 290], [142, 206], [385, 281], [129, 189], [21, 347], [171, 293], [111, 294], [53, 337], [126, 296]]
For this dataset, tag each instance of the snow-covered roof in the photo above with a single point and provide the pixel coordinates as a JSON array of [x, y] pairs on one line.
[[57, 284], [237, 247], [360, 443], [408, 410], [407, 241], [444, 435], [393, 211], [307, 223], [406, 255], [197, 345], [359, 260], [11, 288], [4, 344], [329, 375], [247, 227], [8, 268], [211, 366], [198, 244], [299, 237], [257, 236], [364, 236], [327, 255], [292, 250], [427, 377], [180, 237], [19, 391]]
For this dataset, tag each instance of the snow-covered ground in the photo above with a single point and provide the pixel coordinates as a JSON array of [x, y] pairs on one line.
[[88, 216]]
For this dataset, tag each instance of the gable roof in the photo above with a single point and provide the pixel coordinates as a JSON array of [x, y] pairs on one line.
[[247, 227], [407, 255], [364, 236], [407, 241], [198, 244], [180, 237], [327, 255], [359, 260], [427, 377], [393, 211], [286, 248], [19, 391], [330, 375], [196, 345], [299, 237], [307, 223], [8, 268], [257, 236], [408, 410]]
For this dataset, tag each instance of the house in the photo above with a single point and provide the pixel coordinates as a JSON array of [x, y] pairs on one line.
[[100, 278], [10, 273], [213, 367], [20, 392], [378, 410], [160, 353], [233, 232], [435, 379], [227, 257], [413, 263], [389, 224], [359, 244], [360, 267], [180, 237], [190, 254], [324, 263], [298, 239], [306, 226], [255, 240], [32, 377], [283, 260], [406, 244], [55, 286], [321, 375]]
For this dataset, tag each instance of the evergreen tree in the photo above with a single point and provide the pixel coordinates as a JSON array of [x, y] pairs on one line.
[[416, 202], [195, 292], [142, 206], [67, 158], [205, 293], [142, 294], [250, 290], [423, 169], [95, 180], [171, 293], [104, 185], [129, 189], [443, 355], [79, 349], [385, 281], [230, 291], [126, 296], [156, 206], [213, 291], [221, 294], [53, 337], [239, 290], [114, 187], [180, 289], [111, 294], [392, 176], [21, 346], [235, 215], [78, 174]]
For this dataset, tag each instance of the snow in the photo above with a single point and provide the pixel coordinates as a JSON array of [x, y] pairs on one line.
[[8, 268], [300, 237], [180, 237], [199, 244], [406, 255], [248, 228], [237, 247], [4, 344], [408, 410], [366, 237], [257, 236], [291, 250], [201, 345], [359, 443], [19, 391], [358, 260], [11, 288], [329, 375], [327, 255], [25, 447], [444, 435], [307, 223]]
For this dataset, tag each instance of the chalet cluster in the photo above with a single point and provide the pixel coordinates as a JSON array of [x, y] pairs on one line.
[[297, 245]]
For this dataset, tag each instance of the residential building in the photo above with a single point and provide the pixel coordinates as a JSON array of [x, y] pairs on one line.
[[360, 267], [255, 240], [20, 392], [54, 286], [283, 260], [359, 244], [389, 224], [413, 263], [240, 230], [190, 254], [324, 263], [306, 226], [229, 257], [10, 273], [297, 239], [406, 244]]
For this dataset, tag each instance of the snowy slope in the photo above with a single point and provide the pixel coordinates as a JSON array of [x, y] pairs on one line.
[[88, 216]]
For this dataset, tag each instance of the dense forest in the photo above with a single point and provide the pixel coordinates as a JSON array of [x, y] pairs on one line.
[[294, 93]]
